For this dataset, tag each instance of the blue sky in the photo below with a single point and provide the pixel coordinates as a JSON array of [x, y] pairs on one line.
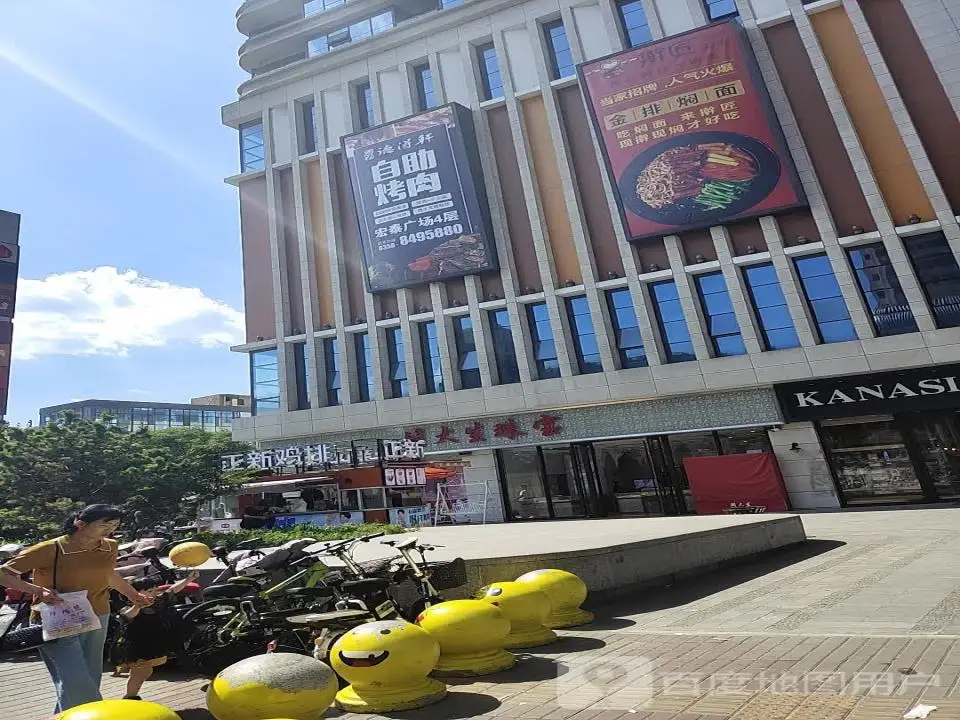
[[113, 153]]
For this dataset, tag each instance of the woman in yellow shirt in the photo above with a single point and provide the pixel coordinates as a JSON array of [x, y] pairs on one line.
[[83, 559]]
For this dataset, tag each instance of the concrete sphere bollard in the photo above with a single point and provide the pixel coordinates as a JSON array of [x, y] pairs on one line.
[[190, 554], [387, 664], [526, 608], [471, 634], [119, 710], [276, 684], [567, 593]]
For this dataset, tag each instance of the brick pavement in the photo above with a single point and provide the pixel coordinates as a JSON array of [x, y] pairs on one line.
[[857, 626]]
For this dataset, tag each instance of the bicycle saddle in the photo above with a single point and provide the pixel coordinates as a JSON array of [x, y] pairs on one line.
[[227, 590], [364, 586]]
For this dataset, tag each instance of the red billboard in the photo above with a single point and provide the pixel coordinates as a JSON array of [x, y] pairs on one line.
[[688, 133]]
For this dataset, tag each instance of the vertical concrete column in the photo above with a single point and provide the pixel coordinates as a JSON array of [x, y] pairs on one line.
[[278, 265], [937, 23], [308, 273], [538, 225], [803, 320], [921, 162], [803, 463], [737, 290], [480, 321], [445, 338], [501, 237], [811, 185], [575, 214], [338, 279], [378, 361], [791, 131], [411, 344], [692, 312]]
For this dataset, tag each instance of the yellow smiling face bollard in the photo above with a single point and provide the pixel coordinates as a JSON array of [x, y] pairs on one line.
[[119, 710], [567, 593], [190, 554], [387, 664], [278, 684], [471, 634], [526, 608]]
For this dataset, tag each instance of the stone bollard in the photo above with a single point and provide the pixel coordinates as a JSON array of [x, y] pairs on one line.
[[119, 710], [387, 664], [567, 593], [526, 608], [471, 634], [276, 684]]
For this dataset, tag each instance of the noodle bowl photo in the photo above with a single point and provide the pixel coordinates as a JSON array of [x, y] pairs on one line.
[[699, 178]]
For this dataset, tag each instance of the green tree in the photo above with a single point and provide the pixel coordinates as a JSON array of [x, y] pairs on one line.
[[48, 471]]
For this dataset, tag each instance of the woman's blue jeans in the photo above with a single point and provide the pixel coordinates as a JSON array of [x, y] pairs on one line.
[[76, 666]]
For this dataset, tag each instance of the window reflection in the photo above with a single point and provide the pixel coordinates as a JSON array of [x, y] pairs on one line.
[[524, 486]]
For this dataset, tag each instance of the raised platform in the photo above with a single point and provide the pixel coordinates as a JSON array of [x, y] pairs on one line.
[[612, 556]]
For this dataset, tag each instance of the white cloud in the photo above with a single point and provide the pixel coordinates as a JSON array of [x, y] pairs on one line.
[[105, 311]]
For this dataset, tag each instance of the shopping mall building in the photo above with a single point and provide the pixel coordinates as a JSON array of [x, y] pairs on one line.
[[574, 244]]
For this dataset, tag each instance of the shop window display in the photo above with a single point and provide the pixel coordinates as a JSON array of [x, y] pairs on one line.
[[870, 460]]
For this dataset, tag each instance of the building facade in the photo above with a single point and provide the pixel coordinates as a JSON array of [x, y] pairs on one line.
[[135, 414], [577, 376]]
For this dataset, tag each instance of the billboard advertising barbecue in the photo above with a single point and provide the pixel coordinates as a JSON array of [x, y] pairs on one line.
[[688, 133], [421, 206]]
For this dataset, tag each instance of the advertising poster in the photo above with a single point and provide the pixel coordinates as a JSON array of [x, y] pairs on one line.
[[411, 516], [421, 207], [688, 133]]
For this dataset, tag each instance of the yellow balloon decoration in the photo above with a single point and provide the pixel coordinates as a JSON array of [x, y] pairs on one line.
[[190, 554]]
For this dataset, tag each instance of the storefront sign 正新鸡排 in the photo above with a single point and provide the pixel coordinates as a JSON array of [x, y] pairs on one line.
[[326, 454], [914, 389], [688, 133], [421, 208]]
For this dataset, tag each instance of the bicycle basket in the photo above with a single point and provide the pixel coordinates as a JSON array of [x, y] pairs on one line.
[[448, 575]]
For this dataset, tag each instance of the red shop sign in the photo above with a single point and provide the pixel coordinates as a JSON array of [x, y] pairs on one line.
[[688, 133]]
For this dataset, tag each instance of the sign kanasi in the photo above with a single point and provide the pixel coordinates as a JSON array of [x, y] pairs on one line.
[[420, 202], [688, 133]]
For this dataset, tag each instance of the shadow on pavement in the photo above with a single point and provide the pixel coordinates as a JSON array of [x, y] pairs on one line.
[[570, 643], [604, 623], [687, 590], [456, 706], [194, 714]]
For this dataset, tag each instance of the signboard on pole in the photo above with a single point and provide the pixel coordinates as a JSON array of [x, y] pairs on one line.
[[421, 207], [688, 133]]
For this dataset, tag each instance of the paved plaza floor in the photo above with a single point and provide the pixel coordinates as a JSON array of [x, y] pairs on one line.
[[859, 624]]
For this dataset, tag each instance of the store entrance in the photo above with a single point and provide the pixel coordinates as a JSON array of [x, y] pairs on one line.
[[881, 459]]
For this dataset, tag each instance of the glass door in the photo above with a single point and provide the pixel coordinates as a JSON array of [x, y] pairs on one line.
[[564, 484], [937, 438], [524, 494]]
